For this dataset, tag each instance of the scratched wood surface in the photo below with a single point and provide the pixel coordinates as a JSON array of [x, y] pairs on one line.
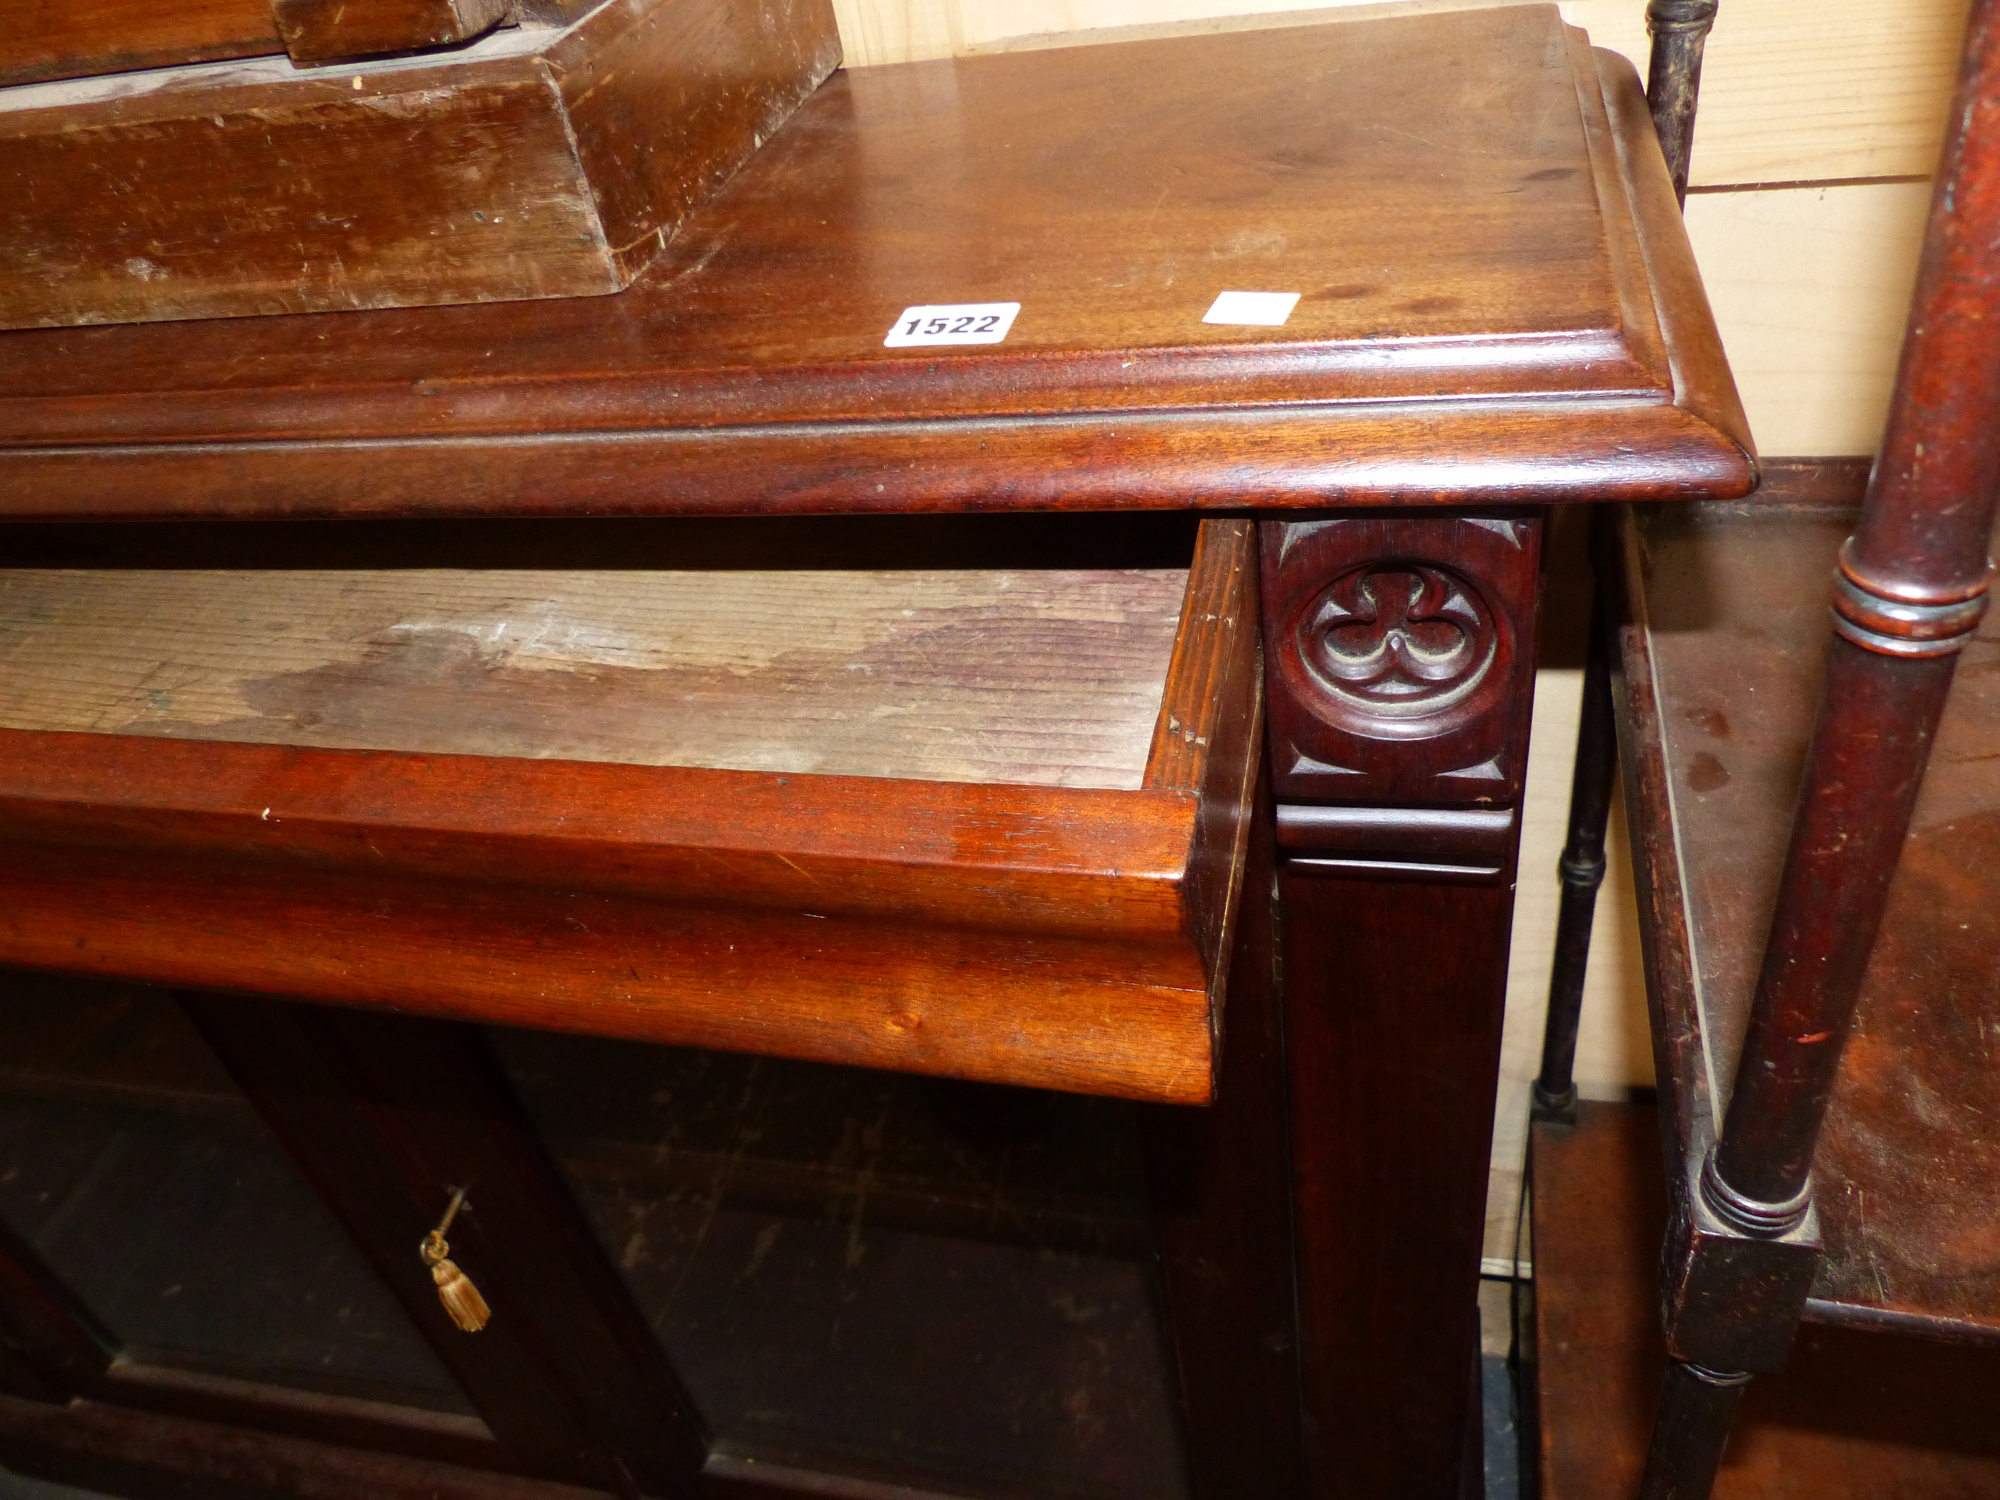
[[1732, 607], [1854, 1416], [537, 162], [1050, 678], [318, 31], [63, 39]]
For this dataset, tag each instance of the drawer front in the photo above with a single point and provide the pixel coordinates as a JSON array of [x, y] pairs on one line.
[[984, 823]]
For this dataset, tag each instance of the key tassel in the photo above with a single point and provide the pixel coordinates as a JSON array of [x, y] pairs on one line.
[[455, 1290]]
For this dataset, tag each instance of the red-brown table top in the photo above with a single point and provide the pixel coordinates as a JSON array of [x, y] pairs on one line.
[[1495, 303]]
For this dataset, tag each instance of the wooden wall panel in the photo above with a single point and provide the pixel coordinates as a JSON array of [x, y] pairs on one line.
[[890, 31], [1810, 288], [987, 25], [1793, 90], [1809, 90]]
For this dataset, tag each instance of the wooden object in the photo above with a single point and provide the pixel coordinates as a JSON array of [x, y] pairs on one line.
[[42, 39], [875, 674], [1898, 1239], [1749, 1085], [318, 31], [1222, 1192], [1503, 316], [1679, 29], [1795, 91], [950, 890], [1403, 651], [387, 1116], [746, 371], [1409, 651], [1857, 1414], [537, 163], [1751, 1077], [959, 1236]]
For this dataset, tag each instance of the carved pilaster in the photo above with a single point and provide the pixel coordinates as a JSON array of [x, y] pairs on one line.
[[1399, 656], [1398, 674]]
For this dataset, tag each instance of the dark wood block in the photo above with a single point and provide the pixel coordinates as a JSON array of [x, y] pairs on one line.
[[540, 162], [1404, 650], [63, 39]]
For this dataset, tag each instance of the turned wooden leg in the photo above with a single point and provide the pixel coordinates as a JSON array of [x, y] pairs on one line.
[[1690, 1431], [1582, 872], [1399, 661]]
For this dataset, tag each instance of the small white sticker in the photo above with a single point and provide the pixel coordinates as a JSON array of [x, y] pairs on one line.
[[952, 323], [1254, 309]]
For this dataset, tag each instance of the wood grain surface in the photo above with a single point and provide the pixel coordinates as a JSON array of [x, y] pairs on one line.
[[539, 162], [62, 39], [1049, 678], [385, 1116], [1222, 1197], [1855, 1416], [1208, 739], [317, 31], [1061, 936], [1732, 607], [1811, 287], [1398, 651], [1023, 935], [1478, 256], [1792, 90]]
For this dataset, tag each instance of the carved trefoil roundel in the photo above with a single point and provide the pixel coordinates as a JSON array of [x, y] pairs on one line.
[[1397, 655], [1399, 648]]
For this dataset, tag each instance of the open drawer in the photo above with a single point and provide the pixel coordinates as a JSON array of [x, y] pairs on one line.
[[969, 814]]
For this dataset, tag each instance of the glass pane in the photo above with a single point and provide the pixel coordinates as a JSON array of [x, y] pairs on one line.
[[874, 1274], [138, 1173]]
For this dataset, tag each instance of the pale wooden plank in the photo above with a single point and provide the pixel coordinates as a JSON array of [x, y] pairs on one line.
[[1809, 90], [893, 31], [1810, 289], [1049, 678], [1029, 25], [1792, 90]]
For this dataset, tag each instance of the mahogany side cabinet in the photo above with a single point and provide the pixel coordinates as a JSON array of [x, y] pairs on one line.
[[904, 833]]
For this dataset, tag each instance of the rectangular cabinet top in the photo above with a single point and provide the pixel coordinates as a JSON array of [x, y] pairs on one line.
[[1015, 280]]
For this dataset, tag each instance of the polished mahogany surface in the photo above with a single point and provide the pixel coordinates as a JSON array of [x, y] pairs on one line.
[[1495, 300], [1728, 652]]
